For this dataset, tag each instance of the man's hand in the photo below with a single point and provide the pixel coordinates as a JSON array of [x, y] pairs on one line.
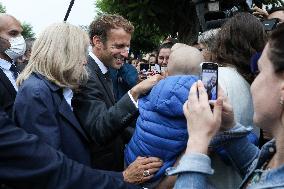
[[144, 86]]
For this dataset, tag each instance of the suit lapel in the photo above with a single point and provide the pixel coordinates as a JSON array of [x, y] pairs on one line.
[[7, 83], [101, 77], [65, 111], [63, 107]]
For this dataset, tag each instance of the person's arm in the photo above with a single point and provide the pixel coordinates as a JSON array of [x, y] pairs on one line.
[[192, 171], [99, 121], [27, 163], [202, 125], [242, 154]]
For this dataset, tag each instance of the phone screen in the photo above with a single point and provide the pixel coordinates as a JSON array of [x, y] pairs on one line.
[[144, 67], [155, 68], [210, 79]]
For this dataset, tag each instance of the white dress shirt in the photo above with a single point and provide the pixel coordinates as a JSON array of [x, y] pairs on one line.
[[5, 66], [101, 65], [68, 95]]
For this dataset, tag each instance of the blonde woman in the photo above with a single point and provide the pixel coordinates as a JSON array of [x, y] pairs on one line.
[[43, 103]]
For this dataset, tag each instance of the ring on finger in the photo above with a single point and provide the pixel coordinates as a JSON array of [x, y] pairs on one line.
[[146, 173]]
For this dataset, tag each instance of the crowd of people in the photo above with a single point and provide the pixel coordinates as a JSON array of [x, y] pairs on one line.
[[77, 111]]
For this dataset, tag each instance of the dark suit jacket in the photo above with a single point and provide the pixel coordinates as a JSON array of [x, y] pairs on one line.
[[7, 93], [103, 119], [40, 108], [28, 163]]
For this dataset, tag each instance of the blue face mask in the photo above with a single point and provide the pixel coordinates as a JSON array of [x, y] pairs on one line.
[[17, 47]]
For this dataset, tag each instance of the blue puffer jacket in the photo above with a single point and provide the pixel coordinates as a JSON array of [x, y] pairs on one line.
[[161, 129]]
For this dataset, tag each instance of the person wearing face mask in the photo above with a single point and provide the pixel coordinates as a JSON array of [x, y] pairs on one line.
[[12, 46]]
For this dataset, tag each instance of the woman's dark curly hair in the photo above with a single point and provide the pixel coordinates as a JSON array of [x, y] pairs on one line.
[[238, 40]]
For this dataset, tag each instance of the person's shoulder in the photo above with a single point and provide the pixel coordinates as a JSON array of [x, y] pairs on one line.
[[227, 70], [34, 85], [231, 74]]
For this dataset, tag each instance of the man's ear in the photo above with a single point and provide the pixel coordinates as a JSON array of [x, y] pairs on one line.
[[4, 44], [97, 42]]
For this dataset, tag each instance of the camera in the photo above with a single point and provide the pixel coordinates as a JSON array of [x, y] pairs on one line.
[[213, 13], [270, 24]]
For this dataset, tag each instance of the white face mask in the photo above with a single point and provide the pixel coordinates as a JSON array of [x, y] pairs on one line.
[[17, 48]]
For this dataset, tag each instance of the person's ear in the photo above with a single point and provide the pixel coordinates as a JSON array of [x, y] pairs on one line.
[[97, 42]]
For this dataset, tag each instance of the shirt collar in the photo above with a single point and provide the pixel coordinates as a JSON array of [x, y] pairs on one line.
[[5, 64], [101, 65]]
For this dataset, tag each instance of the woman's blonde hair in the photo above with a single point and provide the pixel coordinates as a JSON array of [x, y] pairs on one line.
[[58, 54]]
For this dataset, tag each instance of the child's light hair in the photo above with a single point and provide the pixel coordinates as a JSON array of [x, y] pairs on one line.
[[184, 60]]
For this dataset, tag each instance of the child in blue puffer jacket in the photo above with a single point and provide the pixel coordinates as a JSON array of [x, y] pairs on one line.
[[161, 129]]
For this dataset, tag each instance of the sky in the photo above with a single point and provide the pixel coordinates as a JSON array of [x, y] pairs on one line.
[[41, 13]]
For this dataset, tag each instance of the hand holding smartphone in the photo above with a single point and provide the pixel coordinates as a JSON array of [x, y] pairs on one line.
[[209, 77]]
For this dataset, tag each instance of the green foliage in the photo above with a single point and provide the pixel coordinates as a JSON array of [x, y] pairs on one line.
[[154, 20], [146, 37], [27, 30], [2, 8]]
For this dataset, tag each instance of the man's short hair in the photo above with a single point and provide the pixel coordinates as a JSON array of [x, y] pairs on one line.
[[103, 24]]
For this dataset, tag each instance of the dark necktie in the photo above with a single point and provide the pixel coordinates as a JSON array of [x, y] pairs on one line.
[[109, 81], [14, 71]]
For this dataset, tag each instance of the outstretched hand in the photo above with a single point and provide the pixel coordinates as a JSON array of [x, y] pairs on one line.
[[145, 86]]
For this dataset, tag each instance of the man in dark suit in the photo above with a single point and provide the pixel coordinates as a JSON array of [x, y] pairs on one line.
[[28, 163], [12, 46], [102, 118]]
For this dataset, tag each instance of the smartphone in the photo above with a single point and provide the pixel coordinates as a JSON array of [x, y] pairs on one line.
[[209, 77], [144, 67], [155, 68]]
